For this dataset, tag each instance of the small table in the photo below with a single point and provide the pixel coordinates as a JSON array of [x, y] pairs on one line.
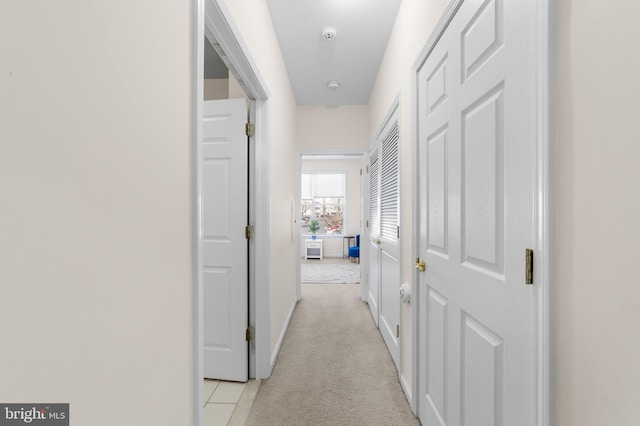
[[313, 249], [348, 238]]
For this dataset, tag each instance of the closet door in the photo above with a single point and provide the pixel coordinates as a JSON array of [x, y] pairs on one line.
[[374, 233], [384, 234], [389, 247]]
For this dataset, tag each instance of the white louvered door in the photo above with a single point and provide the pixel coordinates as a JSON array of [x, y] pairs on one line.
[[389, 322], [374, 233], [384, 241]]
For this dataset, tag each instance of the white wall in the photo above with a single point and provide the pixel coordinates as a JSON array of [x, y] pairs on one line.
[[95, 213], [598, 210], [216, 88], [414, 24], [332, 129], [333, 245], [258, 34]]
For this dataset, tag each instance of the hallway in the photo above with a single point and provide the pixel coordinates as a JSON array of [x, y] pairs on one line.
[[333, 367]]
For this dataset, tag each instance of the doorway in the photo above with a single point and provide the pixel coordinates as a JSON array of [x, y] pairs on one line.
[[214, 24], [329, 219]]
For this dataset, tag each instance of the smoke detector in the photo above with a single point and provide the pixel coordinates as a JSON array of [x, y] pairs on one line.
[[333, 85], [329, 33]]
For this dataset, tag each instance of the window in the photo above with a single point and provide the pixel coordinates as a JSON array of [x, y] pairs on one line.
[[323, 200]]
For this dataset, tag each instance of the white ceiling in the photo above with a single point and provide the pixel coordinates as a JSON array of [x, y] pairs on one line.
[[353, 57], [362, 30]]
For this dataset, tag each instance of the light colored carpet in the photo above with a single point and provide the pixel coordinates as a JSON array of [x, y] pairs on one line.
[[332, 273], [333, 368]]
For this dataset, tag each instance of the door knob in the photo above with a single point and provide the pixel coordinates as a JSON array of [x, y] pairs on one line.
[[419, 265]]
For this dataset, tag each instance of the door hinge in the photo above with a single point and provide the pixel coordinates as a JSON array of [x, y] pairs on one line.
[[360, 172], [250, 129], [250, 334], [529, 266], [248, 232], [398, 232], [398, 330], [367, 168], [367, 223]]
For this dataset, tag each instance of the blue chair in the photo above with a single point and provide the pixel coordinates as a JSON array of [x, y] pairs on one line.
[[354, 251]]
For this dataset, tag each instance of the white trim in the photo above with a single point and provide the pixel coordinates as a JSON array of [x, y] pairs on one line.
[[407, 389], [415, 245], [331, 157], [276, 350], [386, 121], [219, 27], [297, 235], [198, 297], [437, 32], [545, 409], [261, 287], [546, 227]]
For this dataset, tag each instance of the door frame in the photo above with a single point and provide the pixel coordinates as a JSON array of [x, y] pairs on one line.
[[545, 215], [211, 18]]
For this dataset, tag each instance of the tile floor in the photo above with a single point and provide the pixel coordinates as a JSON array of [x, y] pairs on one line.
[[228, 403]]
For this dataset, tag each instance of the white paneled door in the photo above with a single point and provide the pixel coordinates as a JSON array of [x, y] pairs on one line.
[[477, 140], [222, 220]]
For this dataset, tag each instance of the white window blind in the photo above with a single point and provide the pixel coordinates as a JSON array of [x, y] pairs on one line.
[[389, 186], [322, 200]]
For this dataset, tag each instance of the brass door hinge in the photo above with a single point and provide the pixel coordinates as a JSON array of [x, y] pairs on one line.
[[367, 223], [248, 232], [250, 129], [398, 232], [367, 168], [398, 330], [250, 334], [528, 266]]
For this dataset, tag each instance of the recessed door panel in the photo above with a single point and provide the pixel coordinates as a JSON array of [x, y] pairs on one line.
[[215, 224], [437, 193], [437, 355], [217, 293], [482, 37], [483, 183], [482, 374], [437, 86]]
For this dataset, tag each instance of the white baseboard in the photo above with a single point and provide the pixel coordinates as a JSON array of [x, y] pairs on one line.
[[276, 351]]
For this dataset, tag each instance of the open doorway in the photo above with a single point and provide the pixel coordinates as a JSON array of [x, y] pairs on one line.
[[330, 224], [244, 82]]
